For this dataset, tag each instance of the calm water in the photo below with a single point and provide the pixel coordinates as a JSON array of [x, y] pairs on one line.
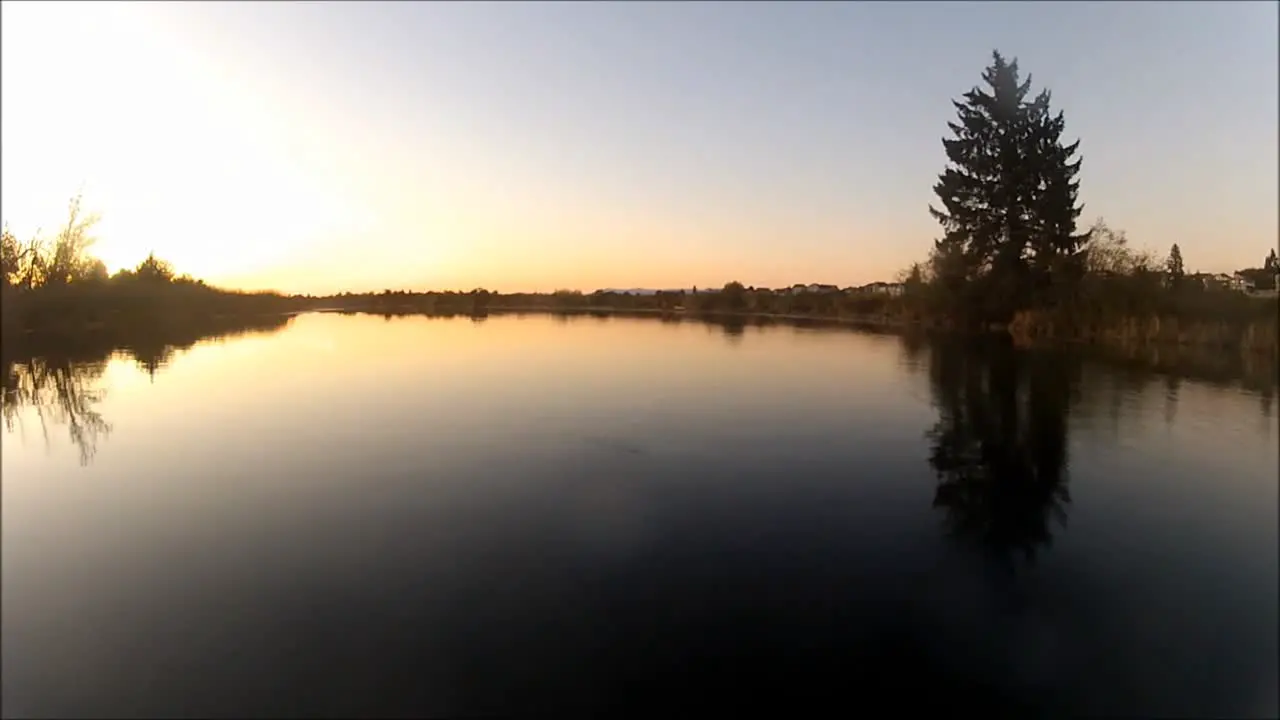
[[447, 516]]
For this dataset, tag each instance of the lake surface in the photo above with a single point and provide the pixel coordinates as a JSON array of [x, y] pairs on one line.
[[403, 516]]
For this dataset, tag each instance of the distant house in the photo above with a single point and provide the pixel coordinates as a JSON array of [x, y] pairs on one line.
[[1216, 281], [810, 288], [1205, 280], [883, 288], [1268, 287], [1240, 283], [1237, 282]]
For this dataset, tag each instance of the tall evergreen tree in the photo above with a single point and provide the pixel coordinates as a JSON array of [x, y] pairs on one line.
[[1008, 195], [1173, 266], [1271, 263], [1055, 245]]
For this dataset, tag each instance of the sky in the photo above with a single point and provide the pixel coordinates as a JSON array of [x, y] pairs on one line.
[[324, 147]]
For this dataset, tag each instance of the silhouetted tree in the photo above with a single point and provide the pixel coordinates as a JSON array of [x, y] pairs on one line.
[[153, 269], [69, 260], [914, 277], [1107, 252], [1271, 263], [10, 256], [733, 296], [1008, 195], [1173, 266], [25, 264]]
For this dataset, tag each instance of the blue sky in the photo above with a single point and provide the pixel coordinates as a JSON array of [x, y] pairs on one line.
[[536, 146]]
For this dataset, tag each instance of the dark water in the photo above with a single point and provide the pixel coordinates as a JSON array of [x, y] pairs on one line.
[[444, 516]]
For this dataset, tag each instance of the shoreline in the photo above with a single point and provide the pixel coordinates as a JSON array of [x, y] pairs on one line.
[[184, 321], [1093, 339], [177, 330]]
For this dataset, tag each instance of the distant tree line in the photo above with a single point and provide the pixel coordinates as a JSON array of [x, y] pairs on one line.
[[731, 299]]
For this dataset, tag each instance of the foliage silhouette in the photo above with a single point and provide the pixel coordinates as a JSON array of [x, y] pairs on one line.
[[1008, 199]]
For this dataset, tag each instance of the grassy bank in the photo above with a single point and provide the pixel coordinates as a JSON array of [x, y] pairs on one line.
[[1217, 366], [1204, 320], [1257, 336]]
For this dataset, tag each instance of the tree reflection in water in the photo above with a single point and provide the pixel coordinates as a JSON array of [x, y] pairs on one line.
[[61, 381], [999, 447], [60, 392]]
